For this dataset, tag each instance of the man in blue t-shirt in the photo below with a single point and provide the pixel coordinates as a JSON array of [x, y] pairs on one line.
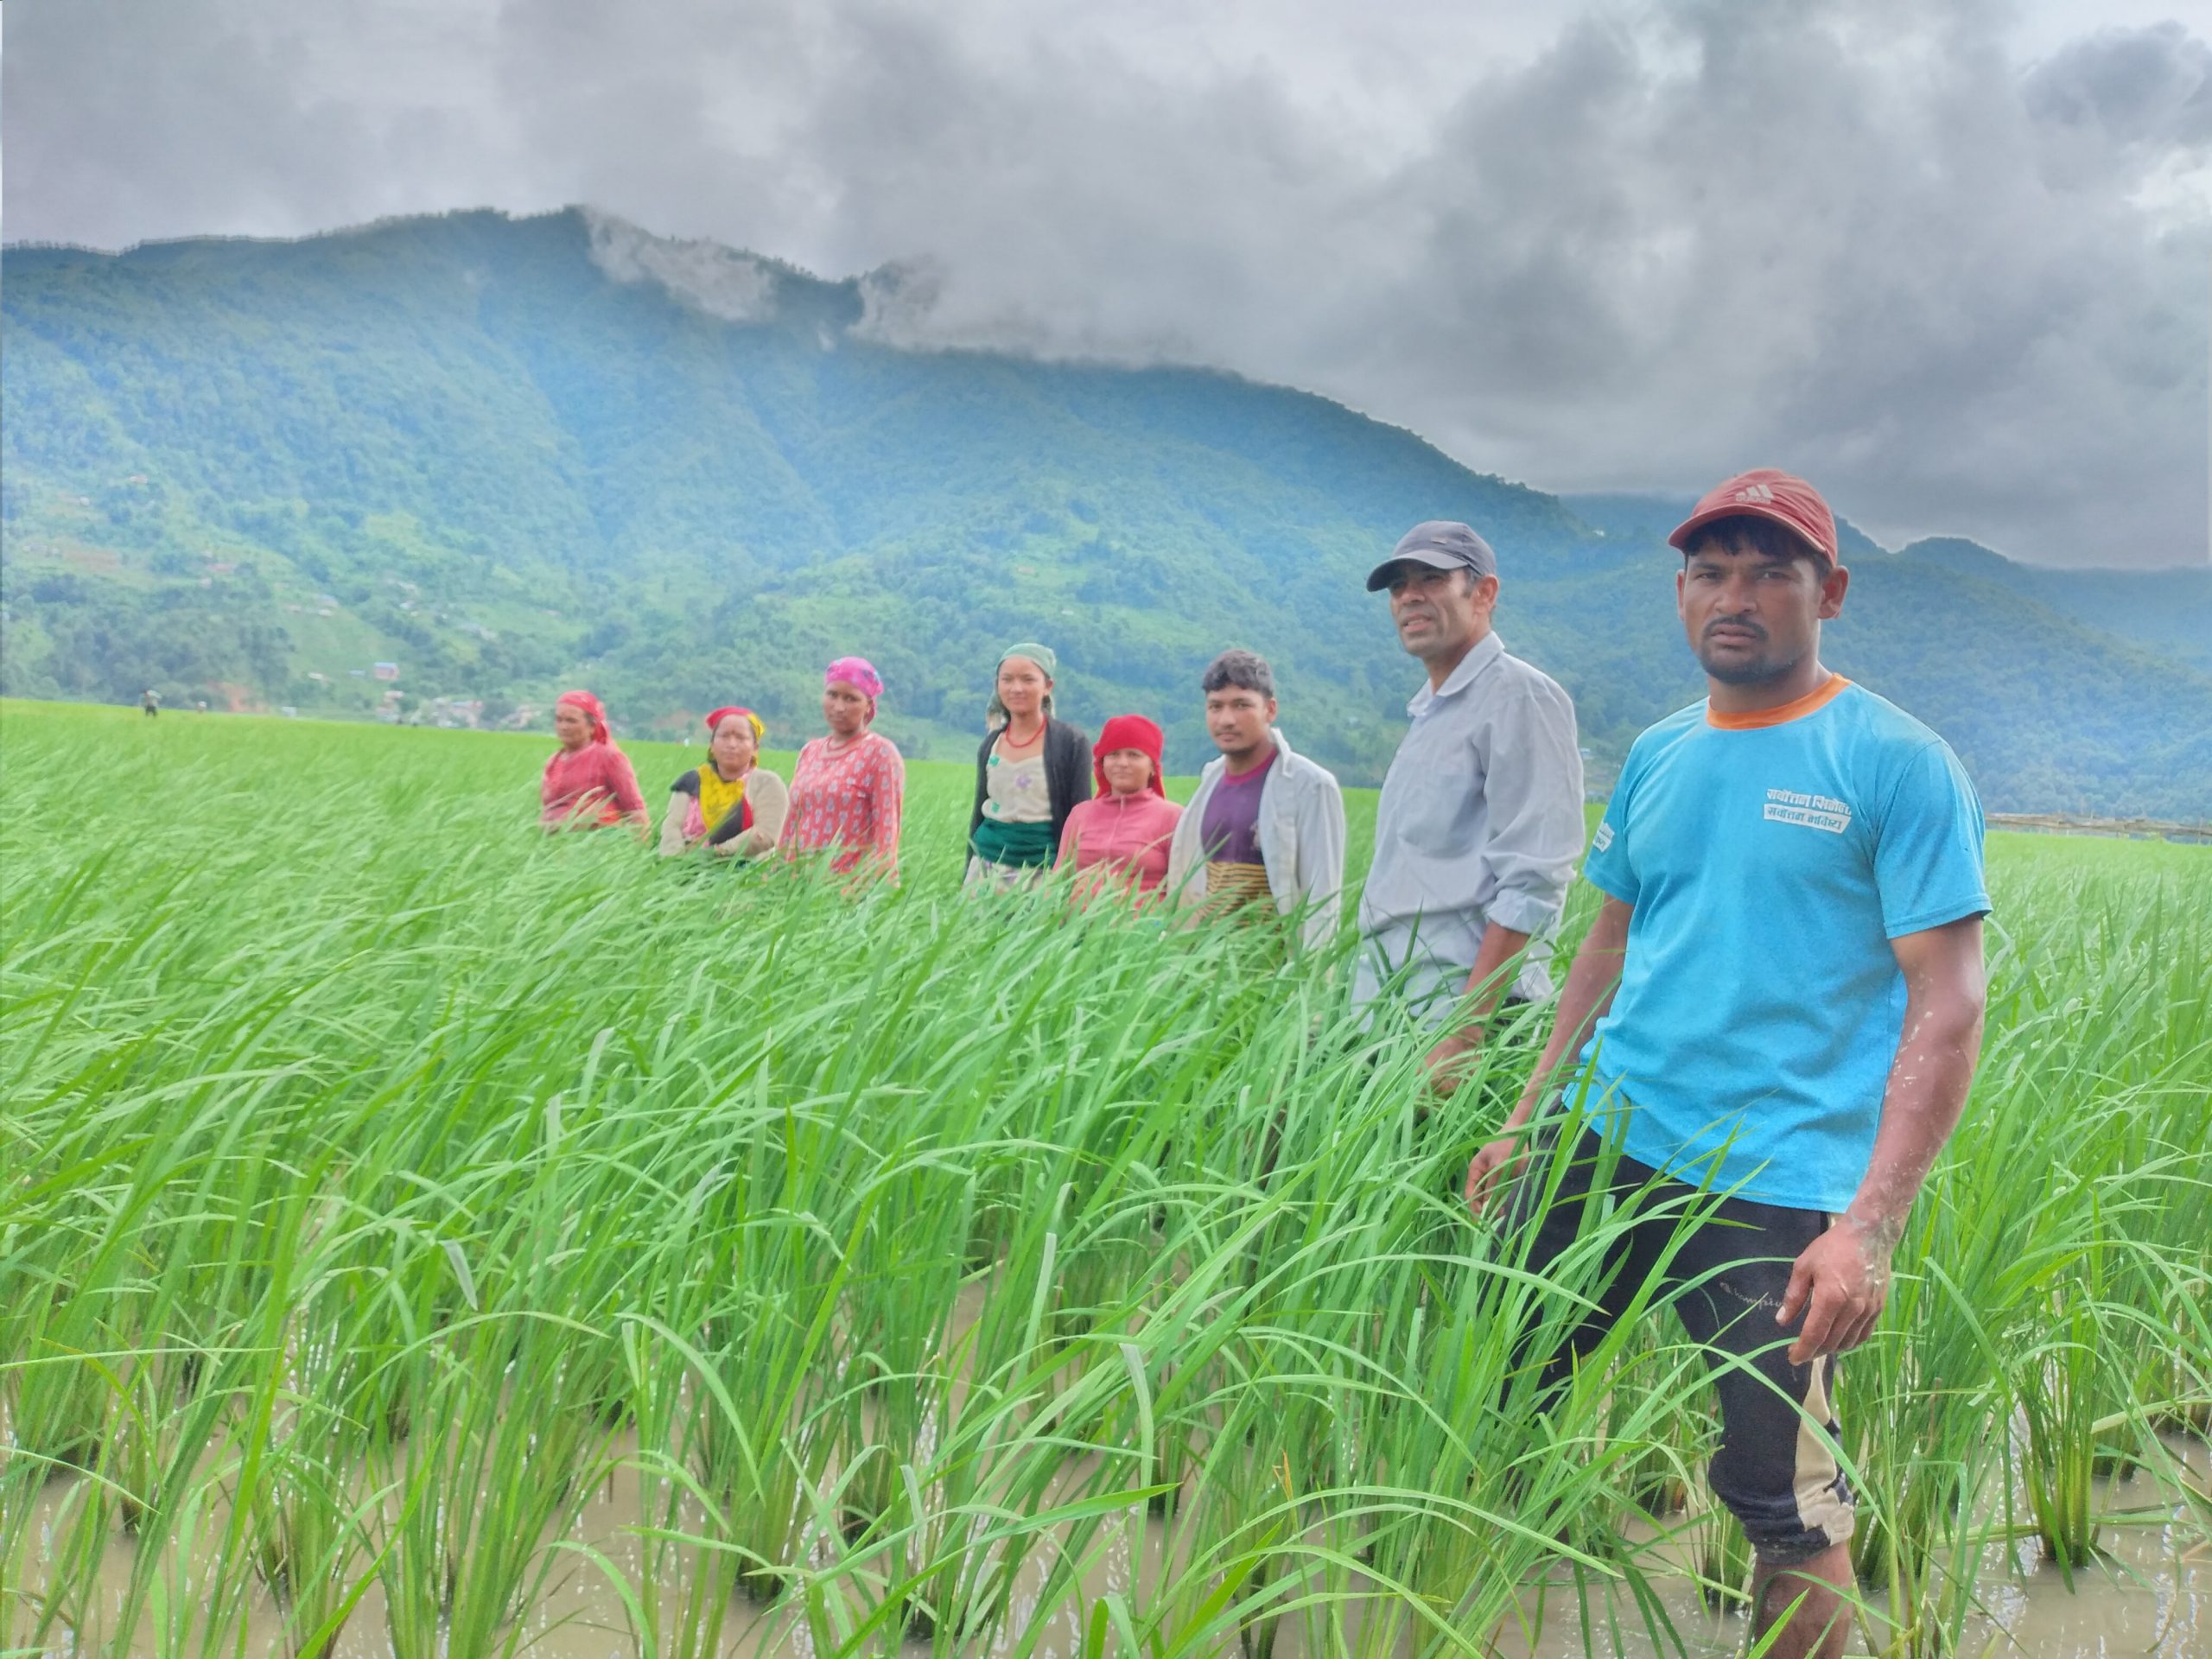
[[1785, 982]]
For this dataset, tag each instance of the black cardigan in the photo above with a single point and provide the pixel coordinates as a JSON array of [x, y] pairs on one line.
[[1067, 776]]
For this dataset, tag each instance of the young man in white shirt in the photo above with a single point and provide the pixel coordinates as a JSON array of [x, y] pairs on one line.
[[1266, 822]]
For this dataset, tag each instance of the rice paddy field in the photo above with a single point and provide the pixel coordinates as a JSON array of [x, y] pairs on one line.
[[421, 1237]]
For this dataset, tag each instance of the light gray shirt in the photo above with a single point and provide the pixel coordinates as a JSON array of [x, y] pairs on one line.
[[1480, 822]]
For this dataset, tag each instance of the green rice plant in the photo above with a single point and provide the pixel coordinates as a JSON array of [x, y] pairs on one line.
[[1724, 1559], [2056, 1384], [483, 1493], [903, 1266], [61, 1404], [685, 1576], [306, 1531], [764, 1434], [417, 1575]]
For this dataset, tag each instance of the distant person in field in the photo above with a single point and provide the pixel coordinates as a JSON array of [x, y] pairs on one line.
[[848, 788], [729, 803], [588, 783], [1266, 826], [1031, 772], [1118, 839], [1480, 820], [1785, 983], [150, 703]]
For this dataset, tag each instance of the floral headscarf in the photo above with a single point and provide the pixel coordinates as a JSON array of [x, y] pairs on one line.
[[715, 721]]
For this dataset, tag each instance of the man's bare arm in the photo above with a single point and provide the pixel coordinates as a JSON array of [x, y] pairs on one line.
[[1487, 982], [1590, 982], [1842, 1279]]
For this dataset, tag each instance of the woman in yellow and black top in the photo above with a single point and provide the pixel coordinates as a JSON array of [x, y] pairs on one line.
[[731, 803]]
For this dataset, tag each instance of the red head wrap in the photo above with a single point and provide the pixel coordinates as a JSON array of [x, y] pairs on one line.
[[1128, 732], [593, 712], [715, 721]]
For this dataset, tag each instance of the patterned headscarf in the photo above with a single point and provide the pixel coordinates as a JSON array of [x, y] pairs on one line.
[[1128, 732], [715, 721], [1048, 662], [592, 711], [717, 799], [859, 673]]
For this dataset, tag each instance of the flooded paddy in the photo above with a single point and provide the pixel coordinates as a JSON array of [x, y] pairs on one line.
[[452, 1254], [2148, 1591]]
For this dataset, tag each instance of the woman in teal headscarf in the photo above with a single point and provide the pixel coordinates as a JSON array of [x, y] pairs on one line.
[[1031, 772]]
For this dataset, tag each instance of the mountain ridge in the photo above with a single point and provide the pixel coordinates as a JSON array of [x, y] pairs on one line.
[[504, 466]]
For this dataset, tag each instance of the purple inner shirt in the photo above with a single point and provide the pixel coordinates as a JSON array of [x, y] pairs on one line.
[[1230, 829]]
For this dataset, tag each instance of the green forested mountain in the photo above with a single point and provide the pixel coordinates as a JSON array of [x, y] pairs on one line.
[[2166, 611], [503, 455]]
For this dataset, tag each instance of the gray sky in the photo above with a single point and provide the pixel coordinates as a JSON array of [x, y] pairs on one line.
[[1951, 259]]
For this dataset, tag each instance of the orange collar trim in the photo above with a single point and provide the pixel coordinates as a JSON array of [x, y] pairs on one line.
[[1757, 719]]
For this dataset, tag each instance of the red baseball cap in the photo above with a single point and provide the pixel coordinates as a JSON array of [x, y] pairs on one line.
[[1765, 493]]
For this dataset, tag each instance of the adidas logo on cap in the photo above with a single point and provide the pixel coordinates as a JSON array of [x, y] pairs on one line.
[[1770, 493]]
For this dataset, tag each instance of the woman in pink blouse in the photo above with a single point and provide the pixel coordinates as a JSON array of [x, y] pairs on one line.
[[588, 783], [1120, 835], [847, 788]]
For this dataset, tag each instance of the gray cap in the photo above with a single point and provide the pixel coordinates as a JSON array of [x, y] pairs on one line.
[[1441, 545]]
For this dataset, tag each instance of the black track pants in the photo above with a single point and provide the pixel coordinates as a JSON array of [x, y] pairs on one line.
[[1774, 1470]]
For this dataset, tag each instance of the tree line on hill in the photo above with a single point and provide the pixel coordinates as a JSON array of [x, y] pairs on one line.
[[476, 447]]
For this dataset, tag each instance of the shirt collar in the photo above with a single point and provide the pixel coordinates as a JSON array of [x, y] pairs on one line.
[[1471, 667]]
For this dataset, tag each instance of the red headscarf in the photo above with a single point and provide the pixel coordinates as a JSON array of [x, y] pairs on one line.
[[593, 712], [1128, 732], [715, 721]]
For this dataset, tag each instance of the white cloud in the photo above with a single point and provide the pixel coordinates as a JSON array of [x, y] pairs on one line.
[[1947, 258], [720, 282]]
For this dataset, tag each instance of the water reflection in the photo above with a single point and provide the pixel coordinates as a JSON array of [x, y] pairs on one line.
[[2150, 1593]]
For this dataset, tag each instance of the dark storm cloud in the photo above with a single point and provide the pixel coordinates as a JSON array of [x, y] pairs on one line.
[[128, 120], [2142, 86], [1965, 292]]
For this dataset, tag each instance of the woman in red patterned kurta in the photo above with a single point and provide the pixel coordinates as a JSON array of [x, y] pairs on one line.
[[847, 788], [588, 783]]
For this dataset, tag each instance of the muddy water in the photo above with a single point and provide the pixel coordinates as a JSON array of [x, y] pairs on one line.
[[2152, 1594]]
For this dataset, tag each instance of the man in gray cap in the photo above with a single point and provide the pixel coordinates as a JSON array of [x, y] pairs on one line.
[[1480, 822]]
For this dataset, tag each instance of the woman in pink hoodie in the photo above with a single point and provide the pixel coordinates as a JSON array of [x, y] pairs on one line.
[[1119, 837]]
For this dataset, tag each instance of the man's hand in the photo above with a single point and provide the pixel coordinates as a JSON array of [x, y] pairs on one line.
[[1448, 1064], [1493, 1166], [1840, 1284], [1589, 992], [1841, 1280]]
